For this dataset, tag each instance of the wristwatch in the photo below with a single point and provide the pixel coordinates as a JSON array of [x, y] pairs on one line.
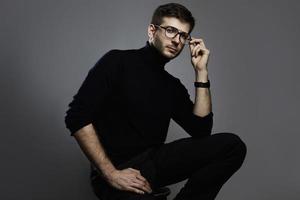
[[202, 85]]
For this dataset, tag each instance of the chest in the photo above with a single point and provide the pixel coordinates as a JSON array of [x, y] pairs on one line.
[[146, 91]]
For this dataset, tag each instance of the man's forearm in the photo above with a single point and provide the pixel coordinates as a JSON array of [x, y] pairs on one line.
[[92, 148], [202, 105]]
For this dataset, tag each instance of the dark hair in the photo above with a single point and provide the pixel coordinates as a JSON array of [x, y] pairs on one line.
[[173, 10]]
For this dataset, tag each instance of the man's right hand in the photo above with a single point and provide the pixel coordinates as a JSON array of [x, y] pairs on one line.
[[129, 179]]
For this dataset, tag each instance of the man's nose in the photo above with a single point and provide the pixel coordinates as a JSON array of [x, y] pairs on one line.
[[176, 38]]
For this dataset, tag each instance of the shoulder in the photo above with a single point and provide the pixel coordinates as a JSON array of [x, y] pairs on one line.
[[121, 52], [117, 55], [111, 55], [113, 61], [108, 61]]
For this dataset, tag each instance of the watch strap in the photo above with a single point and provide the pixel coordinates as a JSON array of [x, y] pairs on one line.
[[202, 85]]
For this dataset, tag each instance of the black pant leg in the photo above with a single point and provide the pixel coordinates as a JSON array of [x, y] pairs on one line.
[[207, 163]]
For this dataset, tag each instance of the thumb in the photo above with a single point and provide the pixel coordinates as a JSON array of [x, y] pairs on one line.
[[191, 46]]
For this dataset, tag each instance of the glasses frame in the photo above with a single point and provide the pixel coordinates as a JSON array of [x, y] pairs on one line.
[[186, 41]]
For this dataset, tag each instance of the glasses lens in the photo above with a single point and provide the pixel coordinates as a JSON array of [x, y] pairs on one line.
[[184, 38], [171, 32]]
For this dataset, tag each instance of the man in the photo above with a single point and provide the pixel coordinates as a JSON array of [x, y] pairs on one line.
[[121, 113]]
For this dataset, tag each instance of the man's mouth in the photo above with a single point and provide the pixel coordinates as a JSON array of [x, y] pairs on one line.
[[173, 49]]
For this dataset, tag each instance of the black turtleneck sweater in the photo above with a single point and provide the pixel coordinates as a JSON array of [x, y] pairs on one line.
[[130, 98]]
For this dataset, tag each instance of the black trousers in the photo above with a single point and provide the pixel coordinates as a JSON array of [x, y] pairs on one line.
[[206, 162]]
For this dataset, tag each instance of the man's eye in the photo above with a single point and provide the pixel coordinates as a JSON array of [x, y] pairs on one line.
[[171, 30], [184, 36]]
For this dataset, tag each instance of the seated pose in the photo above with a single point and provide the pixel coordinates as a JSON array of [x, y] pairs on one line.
[[121, 113]]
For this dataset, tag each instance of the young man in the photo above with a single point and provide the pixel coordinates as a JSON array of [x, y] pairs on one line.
[[121, 113]]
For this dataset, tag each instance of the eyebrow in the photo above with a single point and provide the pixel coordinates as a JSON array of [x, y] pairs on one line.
[[176, 28]]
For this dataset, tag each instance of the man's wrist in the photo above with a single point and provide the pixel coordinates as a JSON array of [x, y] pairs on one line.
[[201, 76], [109, 174], [107, 170]]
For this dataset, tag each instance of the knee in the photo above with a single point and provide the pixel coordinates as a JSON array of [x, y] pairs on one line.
[[238, 145]]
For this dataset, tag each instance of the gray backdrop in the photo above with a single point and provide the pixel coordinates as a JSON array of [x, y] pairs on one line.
[[47, 48]]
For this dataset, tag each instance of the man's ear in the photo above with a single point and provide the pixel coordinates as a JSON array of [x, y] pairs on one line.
[[151, 31]]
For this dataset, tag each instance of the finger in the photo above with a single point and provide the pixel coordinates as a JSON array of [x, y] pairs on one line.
[[196, 50], [198, 41], [137, 185], [145, 182], [140, 177], [192, 49], [133, 189], [135, 170], [205, 52], [144, 185], [203, 44], [139, 181], [191, 46], [193, 43], [135, 176], [148, 186], [141, 186]]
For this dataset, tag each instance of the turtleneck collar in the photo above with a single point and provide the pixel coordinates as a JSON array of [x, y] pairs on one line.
[[153, 56]]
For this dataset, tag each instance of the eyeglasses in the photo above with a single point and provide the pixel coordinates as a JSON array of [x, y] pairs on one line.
[[171, 32]]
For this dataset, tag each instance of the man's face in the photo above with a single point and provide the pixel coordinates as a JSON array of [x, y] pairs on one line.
[[168, 47]]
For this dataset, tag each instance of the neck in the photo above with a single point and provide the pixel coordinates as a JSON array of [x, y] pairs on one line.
[[153, 56]]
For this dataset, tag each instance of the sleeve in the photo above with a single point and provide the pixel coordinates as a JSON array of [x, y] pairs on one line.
[[183, 115], [94, 90]]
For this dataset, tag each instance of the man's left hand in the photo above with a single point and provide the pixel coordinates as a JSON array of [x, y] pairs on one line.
[[199, 54]]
